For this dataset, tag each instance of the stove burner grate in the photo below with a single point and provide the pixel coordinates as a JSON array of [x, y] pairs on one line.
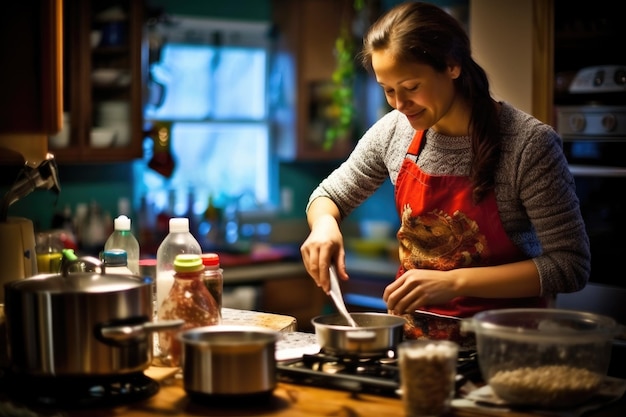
[[378, 376], [368, 375], [79, 392]]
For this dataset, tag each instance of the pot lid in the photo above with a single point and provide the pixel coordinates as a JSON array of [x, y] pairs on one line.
[[77, 282]]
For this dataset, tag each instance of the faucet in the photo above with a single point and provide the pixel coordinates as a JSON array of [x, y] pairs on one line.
[[45, 175]]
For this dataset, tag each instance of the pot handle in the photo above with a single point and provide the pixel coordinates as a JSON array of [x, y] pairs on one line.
[[119, 334], [73, 263]]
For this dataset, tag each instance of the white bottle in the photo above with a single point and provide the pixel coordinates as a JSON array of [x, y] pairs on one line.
[[179, 240], [115, 262], [123, 238]]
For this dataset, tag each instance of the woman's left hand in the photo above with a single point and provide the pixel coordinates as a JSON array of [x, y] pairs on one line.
[[417, 288]]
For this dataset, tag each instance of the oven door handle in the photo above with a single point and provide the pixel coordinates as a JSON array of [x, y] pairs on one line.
[[596, 171]]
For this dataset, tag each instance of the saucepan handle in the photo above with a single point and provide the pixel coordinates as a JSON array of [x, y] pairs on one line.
[[121, 334]]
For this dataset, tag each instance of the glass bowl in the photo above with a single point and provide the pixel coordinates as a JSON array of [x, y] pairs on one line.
[[543, 357]]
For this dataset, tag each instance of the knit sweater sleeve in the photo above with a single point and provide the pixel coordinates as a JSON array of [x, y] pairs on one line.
[[376, 157], [538, 204]]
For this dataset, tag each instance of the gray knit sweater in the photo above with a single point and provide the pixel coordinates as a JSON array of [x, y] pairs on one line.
[[535, 191]]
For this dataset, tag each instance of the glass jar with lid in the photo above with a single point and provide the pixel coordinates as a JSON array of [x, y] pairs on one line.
[[189, 300]]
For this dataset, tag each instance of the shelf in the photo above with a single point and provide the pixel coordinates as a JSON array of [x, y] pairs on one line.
[[116, 105]]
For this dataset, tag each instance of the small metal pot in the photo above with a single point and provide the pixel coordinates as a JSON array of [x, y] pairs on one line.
[[377, 334], [225, 362], [80, 324]]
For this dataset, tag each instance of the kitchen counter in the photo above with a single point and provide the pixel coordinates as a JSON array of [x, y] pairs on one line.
[[257, 273], [278, 322], [279, 262], [288, 400]]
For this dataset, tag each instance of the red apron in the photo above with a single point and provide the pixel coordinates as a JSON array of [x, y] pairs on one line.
[[443, 229]]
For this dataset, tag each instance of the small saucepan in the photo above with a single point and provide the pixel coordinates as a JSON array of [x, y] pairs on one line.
[[376, 334], [227, 363]]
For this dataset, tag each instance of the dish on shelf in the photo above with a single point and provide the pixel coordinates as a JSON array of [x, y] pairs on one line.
[[96, 37], [105, 76], [102, 137]]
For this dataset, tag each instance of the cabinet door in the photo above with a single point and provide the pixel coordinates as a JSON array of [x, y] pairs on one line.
[[104, 79], [30, 46], [305, 62]]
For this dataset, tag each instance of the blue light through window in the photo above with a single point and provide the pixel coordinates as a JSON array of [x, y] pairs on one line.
[[216, 97]]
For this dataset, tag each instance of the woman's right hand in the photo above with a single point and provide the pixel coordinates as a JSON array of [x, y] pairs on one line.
[[322, 248]]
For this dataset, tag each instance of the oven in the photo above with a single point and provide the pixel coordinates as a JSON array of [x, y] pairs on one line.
[[591, 119]]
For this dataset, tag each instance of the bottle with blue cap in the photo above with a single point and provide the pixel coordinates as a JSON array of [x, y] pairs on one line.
[[189, 300], [123, 238], [116, 262]]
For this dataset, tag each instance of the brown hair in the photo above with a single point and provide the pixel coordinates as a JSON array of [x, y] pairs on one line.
[[424, 33]]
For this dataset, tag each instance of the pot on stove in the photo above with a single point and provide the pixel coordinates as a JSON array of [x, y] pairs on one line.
[[80, 323], [376, 334]]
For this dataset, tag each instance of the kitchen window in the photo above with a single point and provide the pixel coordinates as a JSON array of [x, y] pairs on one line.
[[209, 79]]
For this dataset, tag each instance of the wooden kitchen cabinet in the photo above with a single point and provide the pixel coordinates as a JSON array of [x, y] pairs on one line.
[[104, 80], [30, 46], [303, 65], [31, 83]]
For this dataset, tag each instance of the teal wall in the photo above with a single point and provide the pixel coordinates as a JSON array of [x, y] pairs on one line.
[[105, 184]]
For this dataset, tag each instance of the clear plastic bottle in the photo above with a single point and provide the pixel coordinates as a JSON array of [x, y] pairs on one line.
[[123, 238], [213, 277], [179, 240], [115, 262], [189, 300]]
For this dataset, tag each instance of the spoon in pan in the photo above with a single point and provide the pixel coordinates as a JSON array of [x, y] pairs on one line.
[[335, 294]]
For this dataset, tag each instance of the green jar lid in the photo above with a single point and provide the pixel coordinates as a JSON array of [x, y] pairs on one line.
[[187, 262]]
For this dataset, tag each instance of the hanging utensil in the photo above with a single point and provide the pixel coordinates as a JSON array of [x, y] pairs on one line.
[[335, 294], [162, 160]]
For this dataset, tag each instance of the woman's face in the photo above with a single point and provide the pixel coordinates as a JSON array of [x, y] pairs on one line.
[[426, 97]]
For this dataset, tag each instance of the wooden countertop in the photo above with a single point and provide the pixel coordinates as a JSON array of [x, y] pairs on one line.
[[292, 401], [287, 400]]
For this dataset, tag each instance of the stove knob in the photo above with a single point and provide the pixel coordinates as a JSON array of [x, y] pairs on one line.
[[609, 122], [598, 78], [577, 122]]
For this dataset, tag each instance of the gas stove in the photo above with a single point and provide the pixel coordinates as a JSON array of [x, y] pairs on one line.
[[377, 376]]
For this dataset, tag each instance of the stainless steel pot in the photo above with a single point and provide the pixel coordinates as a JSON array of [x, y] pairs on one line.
[[80, 323], [223, 362], [376, 335]]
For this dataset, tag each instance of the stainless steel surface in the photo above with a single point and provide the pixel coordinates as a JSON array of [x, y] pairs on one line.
[[599, 79], [591, 119], [604, 122], [428, 325], [56, 324], [377, 333], [335, 294], [229, 360]]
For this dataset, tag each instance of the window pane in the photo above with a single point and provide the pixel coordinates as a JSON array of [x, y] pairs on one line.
[[208, 82], [222, 160]]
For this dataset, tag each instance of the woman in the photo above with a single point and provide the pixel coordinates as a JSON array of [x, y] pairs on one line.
[[488, 209]]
